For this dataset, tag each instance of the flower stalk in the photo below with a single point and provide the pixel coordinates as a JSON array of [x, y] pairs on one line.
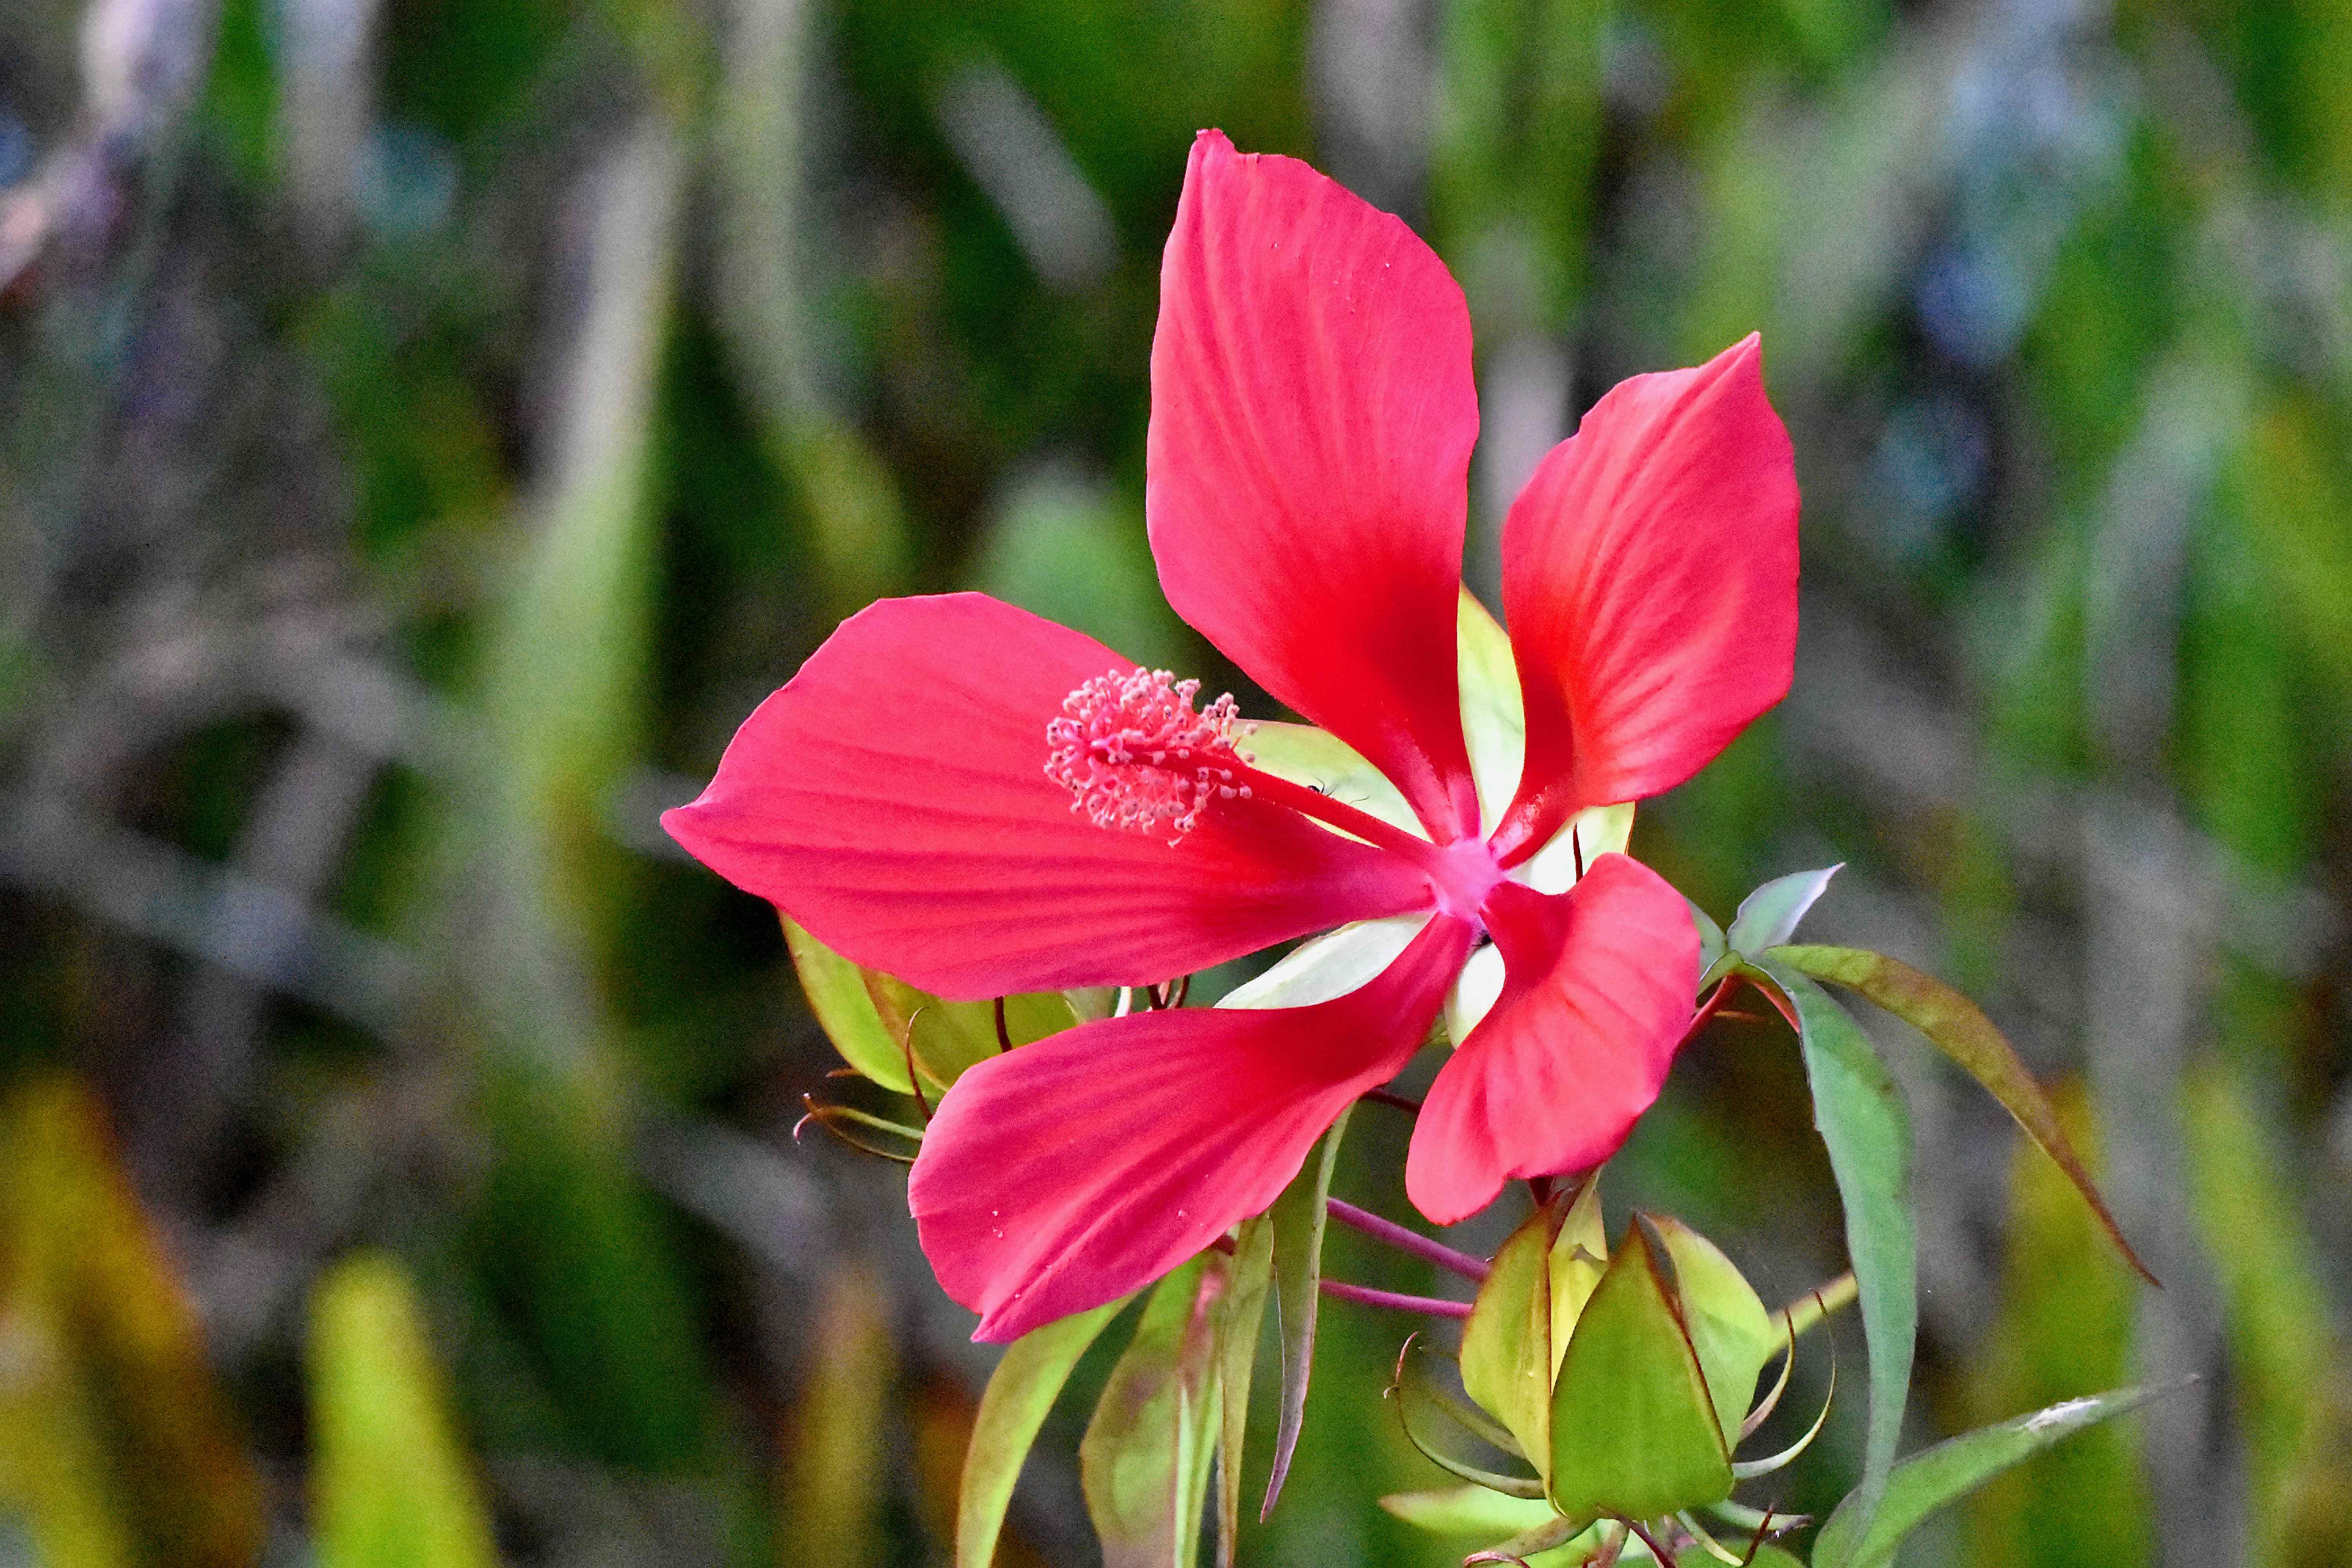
[[1409, 1241], [1396, 1301]]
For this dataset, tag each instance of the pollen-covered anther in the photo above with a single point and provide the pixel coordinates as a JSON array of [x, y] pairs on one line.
[[1134, 753]]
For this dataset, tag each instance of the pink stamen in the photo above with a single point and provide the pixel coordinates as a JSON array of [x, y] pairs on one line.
[[1134, 755]]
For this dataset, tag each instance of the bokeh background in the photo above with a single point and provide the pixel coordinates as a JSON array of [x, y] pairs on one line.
[[427, 427]]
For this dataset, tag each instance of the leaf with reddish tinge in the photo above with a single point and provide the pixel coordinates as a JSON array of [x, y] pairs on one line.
[[111, 1422], [1144, 1461], [1959, 1028], [1020, 1394], [1239, 1319]]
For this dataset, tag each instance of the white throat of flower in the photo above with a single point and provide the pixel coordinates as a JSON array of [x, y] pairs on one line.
[[1493, 727]]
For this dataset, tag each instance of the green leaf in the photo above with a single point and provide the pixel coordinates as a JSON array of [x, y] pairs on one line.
[[836, 989], [1240, 1318], [392, 1481], [1020, 1394], [1144, 1461], [112, 1423], [1959, 1028], [1506, 1342], [1299, 1217], [1769, 916], [877, 1022], [1729, 1328], [1858, 1536], [1633, 1432], [566, 669], [1867, 1130], [834, 1466], [947, 1039]]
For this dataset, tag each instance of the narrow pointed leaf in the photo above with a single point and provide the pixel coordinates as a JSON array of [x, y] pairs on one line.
[[1019, 1395], [1299, 1217], [1453, 1434], [1860, 1537], [1633, 1432], [1468, 1510], [1959, 1028], [1769, 916], [833, 1466], [111, 1420], [1732, 1333], [1867, 1130], [393, 1487], [1714, 947], [1507, 1341], [1240, 1317], [1548, 1536], [1144, 1461]]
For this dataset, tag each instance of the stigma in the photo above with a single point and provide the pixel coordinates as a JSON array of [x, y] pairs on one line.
[[1135, 755]]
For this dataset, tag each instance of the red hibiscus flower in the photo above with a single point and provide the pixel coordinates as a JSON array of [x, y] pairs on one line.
[[981, 802]]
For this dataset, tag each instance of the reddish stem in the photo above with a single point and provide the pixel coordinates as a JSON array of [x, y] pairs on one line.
[[1656, 1550], [1427, 1306], [1340, 814], [1422, 1246], [1708, 1009]]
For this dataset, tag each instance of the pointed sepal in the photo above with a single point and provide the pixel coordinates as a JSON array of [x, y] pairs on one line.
[[1634, 1429]]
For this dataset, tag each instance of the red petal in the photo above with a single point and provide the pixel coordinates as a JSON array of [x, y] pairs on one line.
[[1063, 1175], [1312, 417], [1599, 993], [892, 799], [1650, 581]]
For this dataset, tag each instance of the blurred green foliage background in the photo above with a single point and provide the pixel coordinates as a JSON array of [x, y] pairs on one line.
[[427, 427]]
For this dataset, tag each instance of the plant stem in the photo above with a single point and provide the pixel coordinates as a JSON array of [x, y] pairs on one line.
[[1364, 1295], [1411, 1241], [1708, 1009], [1664, 1557], [1815, 1304]]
